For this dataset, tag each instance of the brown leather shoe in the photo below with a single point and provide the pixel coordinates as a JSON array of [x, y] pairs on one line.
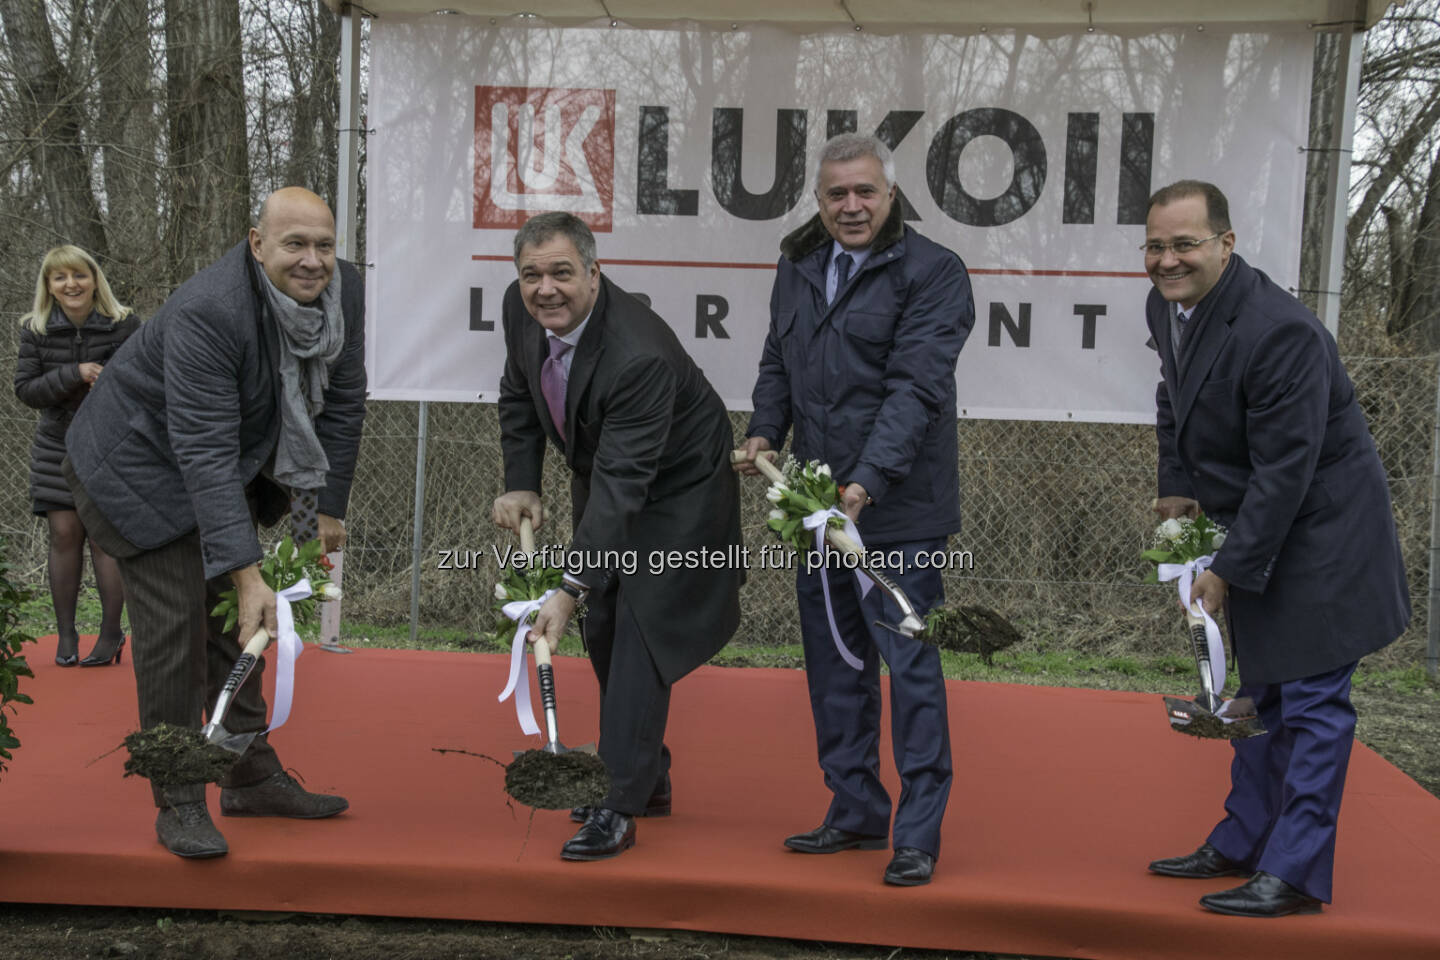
[[828, 839], [1205, 863], [187, 831], [1264, 895], [278, 795]]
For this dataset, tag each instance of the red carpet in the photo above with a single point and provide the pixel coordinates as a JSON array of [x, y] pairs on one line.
[[1061, 797]]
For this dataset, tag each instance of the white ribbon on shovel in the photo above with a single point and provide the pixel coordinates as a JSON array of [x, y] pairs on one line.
[[287, 650], [1186, 573], [519, 611], [819, 521]]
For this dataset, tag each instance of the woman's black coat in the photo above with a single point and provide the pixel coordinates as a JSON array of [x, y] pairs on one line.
[[47, 377]]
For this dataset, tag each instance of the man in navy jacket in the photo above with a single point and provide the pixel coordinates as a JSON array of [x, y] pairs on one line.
[[1257, 425], [867, 320]]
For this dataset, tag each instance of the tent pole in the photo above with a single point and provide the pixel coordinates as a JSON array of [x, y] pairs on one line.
[[346, 245], [1337, 184]]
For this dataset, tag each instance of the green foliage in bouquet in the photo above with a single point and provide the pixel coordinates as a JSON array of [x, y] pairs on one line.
[[1180, 540], [12, 663], [524, 583], [802, 491], [284, 567]]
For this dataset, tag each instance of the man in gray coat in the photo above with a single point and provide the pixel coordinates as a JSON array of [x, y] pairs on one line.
[[242, 400]]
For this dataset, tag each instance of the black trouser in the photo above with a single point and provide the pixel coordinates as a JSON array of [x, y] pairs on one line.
[[634, 701], [181, 657]]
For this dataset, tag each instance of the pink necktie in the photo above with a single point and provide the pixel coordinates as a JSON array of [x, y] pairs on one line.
[[552, 382]]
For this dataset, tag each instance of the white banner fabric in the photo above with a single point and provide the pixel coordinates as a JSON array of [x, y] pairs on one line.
[[690, 152]]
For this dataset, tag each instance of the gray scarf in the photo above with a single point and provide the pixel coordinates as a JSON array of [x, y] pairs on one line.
[[311, 338]]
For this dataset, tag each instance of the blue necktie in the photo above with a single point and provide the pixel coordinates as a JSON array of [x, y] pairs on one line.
[[843, 263]]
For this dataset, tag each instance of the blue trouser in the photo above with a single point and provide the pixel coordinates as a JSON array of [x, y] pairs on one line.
[[1285, 787], [846, 702]]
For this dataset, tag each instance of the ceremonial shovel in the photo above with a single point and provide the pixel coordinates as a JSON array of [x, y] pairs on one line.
[[911, 624], [1208, 716], [543, 671], [215, 731]]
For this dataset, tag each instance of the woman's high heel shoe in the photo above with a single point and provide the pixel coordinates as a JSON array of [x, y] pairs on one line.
[[104, 655], [67, 659]]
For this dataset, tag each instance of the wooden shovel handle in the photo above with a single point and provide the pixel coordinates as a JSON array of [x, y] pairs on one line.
[[762, 463], [527, 544], [258, 643]]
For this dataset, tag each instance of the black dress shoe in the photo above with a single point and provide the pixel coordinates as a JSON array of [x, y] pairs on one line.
[[1204, 864], [607, 833], [828, 839], [657, 806], [1265, 895], [909, 868]]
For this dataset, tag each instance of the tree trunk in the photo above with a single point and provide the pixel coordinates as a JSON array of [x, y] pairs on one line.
[[1419, 299], [53, 123], [128, 130], [209, 165]]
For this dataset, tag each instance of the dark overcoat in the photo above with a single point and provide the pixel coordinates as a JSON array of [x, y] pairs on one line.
[[868, 382], [649, 452], [1258, 422], [187, 414], [47, 377]]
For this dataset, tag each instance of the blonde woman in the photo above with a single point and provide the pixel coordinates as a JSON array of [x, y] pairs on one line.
[[75, 326]]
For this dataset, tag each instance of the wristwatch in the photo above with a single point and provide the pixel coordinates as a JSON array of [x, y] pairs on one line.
[[575, 591]]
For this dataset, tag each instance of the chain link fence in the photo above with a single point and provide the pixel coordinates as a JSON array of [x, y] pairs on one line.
[[1055, 516]]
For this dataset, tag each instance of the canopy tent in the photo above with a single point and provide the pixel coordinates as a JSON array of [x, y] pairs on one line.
[[879, 14], [1347, 17]]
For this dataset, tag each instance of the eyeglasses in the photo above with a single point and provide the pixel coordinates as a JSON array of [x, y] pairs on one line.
[[1181, 247]]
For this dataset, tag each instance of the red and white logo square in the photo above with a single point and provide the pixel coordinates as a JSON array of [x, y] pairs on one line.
[[539, 149]]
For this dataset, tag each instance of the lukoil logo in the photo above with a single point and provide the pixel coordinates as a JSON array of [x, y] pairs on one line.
[[539, 149]]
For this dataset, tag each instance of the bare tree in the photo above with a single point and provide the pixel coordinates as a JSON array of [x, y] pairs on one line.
[[128, 130], [209, 168], [50, 103]]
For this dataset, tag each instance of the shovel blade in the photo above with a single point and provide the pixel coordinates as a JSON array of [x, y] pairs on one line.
[[558, 748], [236, 743], [1192, 717]]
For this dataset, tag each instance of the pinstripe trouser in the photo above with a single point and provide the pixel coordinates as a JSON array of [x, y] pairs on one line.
[[180, 655]]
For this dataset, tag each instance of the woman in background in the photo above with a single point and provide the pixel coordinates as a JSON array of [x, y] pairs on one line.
[[65, 341]]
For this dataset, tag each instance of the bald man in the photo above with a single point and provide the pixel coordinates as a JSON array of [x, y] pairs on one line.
[[240, 402]]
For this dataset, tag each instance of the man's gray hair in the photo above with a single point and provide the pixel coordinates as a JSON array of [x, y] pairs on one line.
[[852, 146], [541, 227]]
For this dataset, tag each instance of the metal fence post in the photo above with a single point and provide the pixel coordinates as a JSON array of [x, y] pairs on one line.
[[419, 521], [1432, 626]]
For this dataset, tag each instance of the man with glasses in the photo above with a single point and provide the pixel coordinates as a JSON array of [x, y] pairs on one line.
[[1257, 425]]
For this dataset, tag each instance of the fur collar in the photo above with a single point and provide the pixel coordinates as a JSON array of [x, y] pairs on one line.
[[812, 235]]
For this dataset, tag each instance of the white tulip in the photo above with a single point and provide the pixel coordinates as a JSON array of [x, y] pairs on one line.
[[500, 593], [1171, 529], [329, 592], [774, 493], [1218, 539], [823, 470], [777, 515]]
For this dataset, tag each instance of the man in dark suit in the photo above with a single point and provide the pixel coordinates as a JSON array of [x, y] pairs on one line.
[[243, 396], [598, 375], [1257, 425], [867, 319]]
